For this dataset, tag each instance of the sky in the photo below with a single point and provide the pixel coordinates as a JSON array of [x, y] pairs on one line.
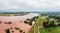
[[29, 5]]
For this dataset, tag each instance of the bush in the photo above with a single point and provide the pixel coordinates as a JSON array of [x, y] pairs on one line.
[[54, 25], [59, 24], [45, 24]]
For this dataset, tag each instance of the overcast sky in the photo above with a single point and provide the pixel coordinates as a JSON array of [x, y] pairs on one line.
[[30, 5]]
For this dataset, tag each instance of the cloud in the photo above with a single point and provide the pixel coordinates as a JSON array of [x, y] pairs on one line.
[[30, 5]]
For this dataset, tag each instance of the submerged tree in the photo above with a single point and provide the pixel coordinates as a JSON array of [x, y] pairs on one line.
[[26, 22], [12, 31], [23, 32], [17, 28], [9, 22], [0, 22], [7, 31]]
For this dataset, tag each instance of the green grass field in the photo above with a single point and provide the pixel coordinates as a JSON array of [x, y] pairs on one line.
[[47, 30], [50, 30], [39, 22]]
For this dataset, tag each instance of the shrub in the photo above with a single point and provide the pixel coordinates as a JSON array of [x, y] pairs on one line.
[[59, 24], [45, 24]]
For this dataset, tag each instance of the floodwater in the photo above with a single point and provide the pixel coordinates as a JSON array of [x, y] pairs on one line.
[[17, 21]]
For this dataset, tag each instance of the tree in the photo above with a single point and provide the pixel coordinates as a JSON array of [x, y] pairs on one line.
[[23, 32], [9, 22], [20, 31], [30, 23], [59, 24], [12, 31], [26, 22], [28, 19], [16, 28], [7, 31], [45, 24], [0, 22]]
